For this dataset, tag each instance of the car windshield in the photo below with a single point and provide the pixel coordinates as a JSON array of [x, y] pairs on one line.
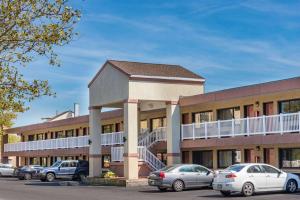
[[56, 164], [235, 168]]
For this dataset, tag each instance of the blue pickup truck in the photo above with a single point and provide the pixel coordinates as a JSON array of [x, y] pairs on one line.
[[67, 169]]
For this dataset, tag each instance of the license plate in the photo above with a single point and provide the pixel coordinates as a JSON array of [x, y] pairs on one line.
[[219, 186]]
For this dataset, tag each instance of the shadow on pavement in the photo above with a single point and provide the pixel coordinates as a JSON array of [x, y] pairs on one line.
[[55, 183], [237, 195], [154, 190]]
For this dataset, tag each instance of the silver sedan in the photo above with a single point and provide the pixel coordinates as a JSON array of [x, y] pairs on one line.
[[181, 176]]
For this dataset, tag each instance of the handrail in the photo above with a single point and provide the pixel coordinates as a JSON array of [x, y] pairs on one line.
[[262, 125], [156, 135]]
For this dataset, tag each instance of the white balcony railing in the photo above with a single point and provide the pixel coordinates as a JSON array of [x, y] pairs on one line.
[[112, 138], [273, 124], [61, 143]]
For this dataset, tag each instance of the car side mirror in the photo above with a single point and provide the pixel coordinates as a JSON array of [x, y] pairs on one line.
[[59, 168], [208, 173]]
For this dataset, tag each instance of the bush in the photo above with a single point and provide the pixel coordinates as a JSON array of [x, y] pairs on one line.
[[109, 174]]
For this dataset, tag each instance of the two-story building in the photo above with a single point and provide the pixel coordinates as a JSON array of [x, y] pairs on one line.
[[162, 116]]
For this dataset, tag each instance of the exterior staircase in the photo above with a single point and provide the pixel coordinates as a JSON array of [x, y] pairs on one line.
[[145, 142]]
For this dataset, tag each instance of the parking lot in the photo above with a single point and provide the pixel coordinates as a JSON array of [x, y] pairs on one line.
[[13, 189]]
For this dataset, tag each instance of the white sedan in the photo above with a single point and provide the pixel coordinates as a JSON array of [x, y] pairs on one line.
[[6, 170], [249, 178]]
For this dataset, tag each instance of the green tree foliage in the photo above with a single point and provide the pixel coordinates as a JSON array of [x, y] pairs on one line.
[[29, 28]]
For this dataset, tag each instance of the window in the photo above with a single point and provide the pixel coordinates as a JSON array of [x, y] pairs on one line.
[[107, 128], [40, 136], [200, 170], [158, 122], [227, 158], [144, 125], [59, 134], [186, 169], [72, 164], [204, 158], [229, 113], [254, 169], [200, 117], [289, 106], [64, 164], [290, 158], [30, 137], [69, 133], [269, 169], [235, 168]]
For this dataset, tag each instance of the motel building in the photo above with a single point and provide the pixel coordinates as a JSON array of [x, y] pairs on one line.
[[162, 116]]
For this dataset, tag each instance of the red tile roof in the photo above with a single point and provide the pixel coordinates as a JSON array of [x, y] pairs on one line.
[[139, 70]]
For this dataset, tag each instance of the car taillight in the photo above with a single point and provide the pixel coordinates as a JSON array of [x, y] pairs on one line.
[[230, 175], [162, 174]]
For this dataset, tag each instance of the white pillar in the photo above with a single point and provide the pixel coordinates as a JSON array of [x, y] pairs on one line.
[[173, 133], [95, 163], [131, 135]]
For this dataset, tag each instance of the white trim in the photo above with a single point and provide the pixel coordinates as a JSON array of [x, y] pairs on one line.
[[168, 78]]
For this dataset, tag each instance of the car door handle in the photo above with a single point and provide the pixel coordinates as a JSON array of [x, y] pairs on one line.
[[267, 175], [251, 176]]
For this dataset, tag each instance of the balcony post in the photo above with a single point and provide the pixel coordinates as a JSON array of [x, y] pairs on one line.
[[193, 131], [219, 129], [248, 126], [264, 125], [205, 129], [232, 127], [281, 123]]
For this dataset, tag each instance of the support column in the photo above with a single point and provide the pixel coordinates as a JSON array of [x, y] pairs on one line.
[[173, 133], [95, 163], [131, 135]]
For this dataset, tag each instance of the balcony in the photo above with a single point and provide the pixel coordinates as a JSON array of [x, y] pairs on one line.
[[63, 143], [273, 124]]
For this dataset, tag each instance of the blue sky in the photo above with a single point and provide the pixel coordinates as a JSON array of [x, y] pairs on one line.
[[231, 43]]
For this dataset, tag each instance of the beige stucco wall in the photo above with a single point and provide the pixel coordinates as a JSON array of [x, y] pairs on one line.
[[162, 91], [109, 87]]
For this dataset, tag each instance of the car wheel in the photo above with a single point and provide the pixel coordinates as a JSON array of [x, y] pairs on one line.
[[248, 189], [291, 186], [162, 189], [178, 186], [50, 177], [27, 176], [226, 193]]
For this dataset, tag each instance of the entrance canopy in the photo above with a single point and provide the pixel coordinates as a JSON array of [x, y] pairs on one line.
[[151, 84]]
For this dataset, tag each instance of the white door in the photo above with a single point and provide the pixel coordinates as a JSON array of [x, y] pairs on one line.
[[256, 175], [275, 179]]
